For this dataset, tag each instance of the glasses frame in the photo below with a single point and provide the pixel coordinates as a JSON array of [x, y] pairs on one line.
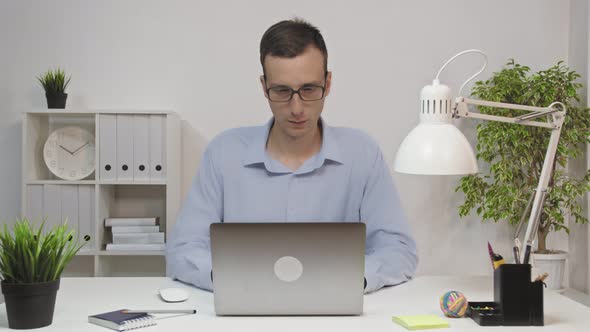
[[293, 92]]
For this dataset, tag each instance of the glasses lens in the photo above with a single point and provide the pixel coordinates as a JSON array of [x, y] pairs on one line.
[[311, 92], [279, 94]]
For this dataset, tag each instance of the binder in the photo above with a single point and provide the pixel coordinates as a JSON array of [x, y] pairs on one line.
[[157, 145], [69, 206], [34, 210], [148, 221], [124, 147], [134, 229], [51, 205], [136, 246], [86, 214], [108, 147], [141, 158], [138, 238]]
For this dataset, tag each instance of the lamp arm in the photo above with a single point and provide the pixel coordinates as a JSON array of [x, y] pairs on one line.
[[461, 110], [558, 117], [544, 178]]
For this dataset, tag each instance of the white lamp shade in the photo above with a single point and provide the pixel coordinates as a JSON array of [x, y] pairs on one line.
[[435, 149]]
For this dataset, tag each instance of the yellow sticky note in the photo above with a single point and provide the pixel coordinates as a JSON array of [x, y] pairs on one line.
[[420, 322]]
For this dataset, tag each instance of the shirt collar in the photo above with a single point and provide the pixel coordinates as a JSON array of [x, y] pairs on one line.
[[256, 151]]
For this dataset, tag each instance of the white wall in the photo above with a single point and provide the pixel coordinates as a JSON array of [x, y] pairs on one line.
[[201, 60]]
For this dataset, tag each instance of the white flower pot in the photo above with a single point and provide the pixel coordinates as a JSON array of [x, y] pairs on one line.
[[554, 265]]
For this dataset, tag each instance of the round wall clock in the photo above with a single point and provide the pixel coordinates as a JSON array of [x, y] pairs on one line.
[[69, 153]]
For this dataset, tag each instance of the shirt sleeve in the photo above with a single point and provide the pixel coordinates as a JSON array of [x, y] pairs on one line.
[[188, 253], [390, 256]]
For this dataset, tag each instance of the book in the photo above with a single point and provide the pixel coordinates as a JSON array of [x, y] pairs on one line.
[[135, 229], [151, 221], [420, 322], [120, 321], [130, 238], [136, 246]]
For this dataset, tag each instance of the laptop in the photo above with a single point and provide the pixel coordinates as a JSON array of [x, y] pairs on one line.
[[288, 268]]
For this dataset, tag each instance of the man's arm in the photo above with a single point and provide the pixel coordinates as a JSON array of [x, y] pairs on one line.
[[390, 256], [188, 255]]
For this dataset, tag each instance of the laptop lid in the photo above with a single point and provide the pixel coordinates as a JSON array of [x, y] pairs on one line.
[[288, 268]]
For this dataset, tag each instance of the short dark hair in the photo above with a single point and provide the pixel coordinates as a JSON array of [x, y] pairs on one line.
[[289, 39]]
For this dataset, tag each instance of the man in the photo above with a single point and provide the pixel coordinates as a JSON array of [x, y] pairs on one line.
[[296, 168]]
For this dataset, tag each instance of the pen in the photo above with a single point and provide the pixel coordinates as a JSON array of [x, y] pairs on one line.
[[516, 251], [491, 253], [162, 311], [527, 254], [496, 259]]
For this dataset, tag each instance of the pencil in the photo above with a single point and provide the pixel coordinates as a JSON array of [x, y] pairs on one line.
[[542, 277]]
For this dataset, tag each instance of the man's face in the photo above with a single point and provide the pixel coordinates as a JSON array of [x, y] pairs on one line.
[[296, 118]]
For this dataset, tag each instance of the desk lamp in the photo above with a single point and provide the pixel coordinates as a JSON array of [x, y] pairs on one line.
[[437, 147]]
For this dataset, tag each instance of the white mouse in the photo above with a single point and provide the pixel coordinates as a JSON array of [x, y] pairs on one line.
[[173, 294]]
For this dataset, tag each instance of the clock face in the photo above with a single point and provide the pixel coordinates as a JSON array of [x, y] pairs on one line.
[[69, 153]]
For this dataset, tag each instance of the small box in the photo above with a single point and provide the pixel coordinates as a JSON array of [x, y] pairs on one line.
[[484, 313]]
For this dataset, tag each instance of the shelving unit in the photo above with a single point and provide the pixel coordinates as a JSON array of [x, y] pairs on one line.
[[87, 202]]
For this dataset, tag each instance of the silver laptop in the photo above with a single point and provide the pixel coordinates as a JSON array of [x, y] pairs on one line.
[[288, 268]]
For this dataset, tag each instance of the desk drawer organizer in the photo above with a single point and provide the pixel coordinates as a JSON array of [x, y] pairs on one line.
[[517, 300]]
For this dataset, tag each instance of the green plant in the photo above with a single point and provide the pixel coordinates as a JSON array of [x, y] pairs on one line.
[[516, 153], [54, 82], [29, 255]]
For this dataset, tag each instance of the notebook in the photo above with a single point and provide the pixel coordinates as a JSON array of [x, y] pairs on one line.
[[420, 322], [120, 321]]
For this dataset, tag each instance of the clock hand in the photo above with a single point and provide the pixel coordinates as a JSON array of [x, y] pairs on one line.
[[78, 149], [70, 152]]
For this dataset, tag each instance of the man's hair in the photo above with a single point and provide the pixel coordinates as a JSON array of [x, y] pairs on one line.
[[289, 39]]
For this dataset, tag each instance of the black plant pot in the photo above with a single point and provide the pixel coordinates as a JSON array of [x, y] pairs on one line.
[[56, 100], [30, 306]]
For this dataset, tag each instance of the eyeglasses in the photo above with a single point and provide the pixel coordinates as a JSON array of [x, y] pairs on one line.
[[285, 93]]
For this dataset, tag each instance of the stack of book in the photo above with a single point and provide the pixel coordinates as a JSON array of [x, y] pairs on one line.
[[135, 234]]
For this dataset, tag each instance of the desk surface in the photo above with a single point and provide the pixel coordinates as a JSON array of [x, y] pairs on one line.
[[80, 297]]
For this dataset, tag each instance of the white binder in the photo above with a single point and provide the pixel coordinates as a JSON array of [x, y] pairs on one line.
[[157, 144], [133, 238], [124, 147], [69, 206], [108, 147], [141, 156], [51, 205], [86, 214], [34, 211]]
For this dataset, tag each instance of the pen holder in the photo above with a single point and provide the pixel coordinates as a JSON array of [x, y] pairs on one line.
[[517, 300]]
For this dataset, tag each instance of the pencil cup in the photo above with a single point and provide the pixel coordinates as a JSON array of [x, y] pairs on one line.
[[517, 300]]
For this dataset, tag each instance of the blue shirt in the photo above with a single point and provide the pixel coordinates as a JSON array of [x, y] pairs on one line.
[[347, 180]]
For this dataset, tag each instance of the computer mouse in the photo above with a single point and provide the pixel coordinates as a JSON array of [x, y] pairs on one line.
[[173, 294]]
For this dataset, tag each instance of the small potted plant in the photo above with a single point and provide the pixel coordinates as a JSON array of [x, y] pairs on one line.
[[516, 153], [55, 84], [31, 263]]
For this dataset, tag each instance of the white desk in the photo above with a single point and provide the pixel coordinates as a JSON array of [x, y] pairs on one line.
[[80, 297]]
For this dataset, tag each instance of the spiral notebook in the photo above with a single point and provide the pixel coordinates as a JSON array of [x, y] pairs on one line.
[[120, 321]]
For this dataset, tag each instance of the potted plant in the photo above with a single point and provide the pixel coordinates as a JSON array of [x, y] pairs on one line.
[[31, 263], [516, 153], [55, 83]]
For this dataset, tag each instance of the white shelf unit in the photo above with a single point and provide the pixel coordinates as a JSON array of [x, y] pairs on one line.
[[87, 202]]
